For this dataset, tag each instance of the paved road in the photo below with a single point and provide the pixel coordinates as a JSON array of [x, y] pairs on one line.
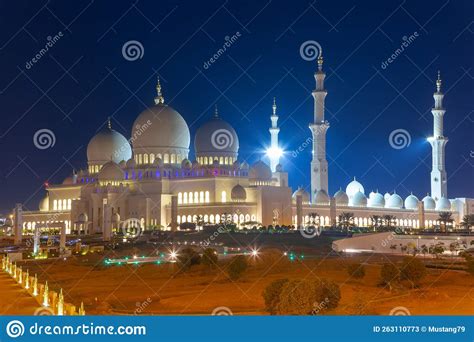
[[14, 300]]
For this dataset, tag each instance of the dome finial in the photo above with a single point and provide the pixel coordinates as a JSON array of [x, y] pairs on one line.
[[216, 112], [159, 99], [274, 107], [320, 61], [109, 123], [438, 82]]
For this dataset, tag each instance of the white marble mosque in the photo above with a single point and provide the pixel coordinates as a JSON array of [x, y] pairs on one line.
[[150, 178]]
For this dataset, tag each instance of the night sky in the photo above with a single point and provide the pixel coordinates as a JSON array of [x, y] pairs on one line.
[[84, 78]]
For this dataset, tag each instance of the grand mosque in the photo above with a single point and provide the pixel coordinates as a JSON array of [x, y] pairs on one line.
[[149, 179]]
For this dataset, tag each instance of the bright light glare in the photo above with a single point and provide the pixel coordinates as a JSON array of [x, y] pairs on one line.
[[274, 152], [173, 255], [254, 252]]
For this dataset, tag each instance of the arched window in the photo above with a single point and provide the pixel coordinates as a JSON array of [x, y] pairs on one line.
[[223, 196], [152, 158], [206, 218], [218, 218], [55, 205], [189, 219], [69, 204], [178, 219], [206, 197], [166, 160], [254, 218], [140, 159], [205, 160], [185, 199], [190, 198], [201, 197], [196, 197], [145, 158], [183, 218], [60, 205], [180, 198], [159, 156], [173, 158], [221, 160], [241, 218], [226, 160]]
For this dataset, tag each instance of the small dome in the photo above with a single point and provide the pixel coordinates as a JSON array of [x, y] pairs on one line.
[[376, 200], [110, 172], [386, 197], [108, 145], [123, 164], [279, 168], [186, 164], [303, 193], [260, 171], [371, 195], [321, 198], [82, 218], [244, 166], [395, 201], [411, 202], [44, 203], [354, 187], [359, 200], [341, 198], [429, 203], [443, 204], [216, 138], [69, 180], [238, 193], [158, 162], [131, 163]]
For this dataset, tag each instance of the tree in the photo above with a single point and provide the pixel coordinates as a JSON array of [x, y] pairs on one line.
[[271, 295], [356, 271], [376, 221], [468, 221], [388, 220], [187, 258], [209, 258], [238, 265], [346, 221], [389, 274], [304, 297], [437, 250], [445, 217], [413, 270]]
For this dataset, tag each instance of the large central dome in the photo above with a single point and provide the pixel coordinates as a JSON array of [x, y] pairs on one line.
[[160, 132]]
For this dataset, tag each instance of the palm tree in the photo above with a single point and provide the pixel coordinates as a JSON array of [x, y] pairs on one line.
[[388, 220], [445, 218], [346, 221], [468, 221], [376, 221]]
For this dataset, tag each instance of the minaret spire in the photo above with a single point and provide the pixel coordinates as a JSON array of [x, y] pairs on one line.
[[439, 181], [159, 99], [274, 152], [319, 126], [216, 112], [109, 123]]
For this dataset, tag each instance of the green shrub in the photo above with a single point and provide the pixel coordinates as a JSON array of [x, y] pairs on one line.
[[271, 295], [209, 257], [238, 265], [187, 258], [356, 271], [413, 270], [389, 274]]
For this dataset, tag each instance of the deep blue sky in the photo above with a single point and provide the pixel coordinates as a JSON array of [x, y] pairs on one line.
[[365, 102]]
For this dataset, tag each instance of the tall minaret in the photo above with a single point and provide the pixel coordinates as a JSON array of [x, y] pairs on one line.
[[319, 164], [439, 181], [274, 154]]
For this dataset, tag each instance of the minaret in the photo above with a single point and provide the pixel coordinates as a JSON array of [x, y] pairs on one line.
[[319, 164], [439, 181], [275, 153], [159, 99]]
